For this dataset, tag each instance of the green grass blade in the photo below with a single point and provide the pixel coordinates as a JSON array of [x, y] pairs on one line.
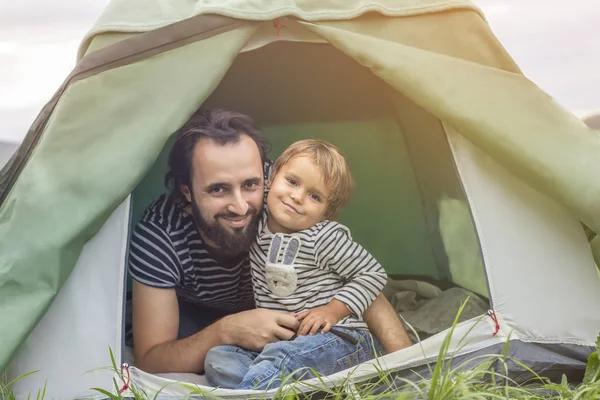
[[106, 393]]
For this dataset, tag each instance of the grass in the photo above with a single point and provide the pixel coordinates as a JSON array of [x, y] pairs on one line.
[[444, 382]]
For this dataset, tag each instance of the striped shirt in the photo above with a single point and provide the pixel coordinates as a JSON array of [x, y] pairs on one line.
[[166, 251], [329, 265]]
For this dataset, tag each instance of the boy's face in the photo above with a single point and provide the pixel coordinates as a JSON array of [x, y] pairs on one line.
[[297, 196]]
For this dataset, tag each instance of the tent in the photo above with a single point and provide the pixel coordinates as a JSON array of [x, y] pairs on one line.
[[593, 121], [465, 169]]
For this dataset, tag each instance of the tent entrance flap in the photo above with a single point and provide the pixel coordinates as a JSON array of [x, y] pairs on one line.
[[408, 204]]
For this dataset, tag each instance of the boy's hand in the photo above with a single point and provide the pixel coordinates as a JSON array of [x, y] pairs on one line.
[[324, 316]]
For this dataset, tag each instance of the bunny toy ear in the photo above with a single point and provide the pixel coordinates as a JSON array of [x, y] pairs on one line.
[[274, 248], [291, 251]]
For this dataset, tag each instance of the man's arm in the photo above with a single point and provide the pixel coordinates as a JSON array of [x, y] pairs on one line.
[[156, 325], [384, 324]]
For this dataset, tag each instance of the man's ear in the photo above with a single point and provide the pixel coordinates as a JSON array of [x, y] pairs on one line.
[[185, 189]]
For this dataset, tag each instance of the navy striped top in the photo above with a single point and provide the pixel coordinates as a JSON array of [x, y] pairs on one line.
[[166, 251]]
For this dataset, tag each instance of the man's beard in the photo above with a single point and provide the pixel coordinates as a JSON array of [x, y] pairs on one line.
[[228, 243]]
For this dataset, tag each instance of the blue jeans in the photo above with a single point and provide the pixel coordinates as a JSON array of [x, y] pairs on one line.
[[231, 367]]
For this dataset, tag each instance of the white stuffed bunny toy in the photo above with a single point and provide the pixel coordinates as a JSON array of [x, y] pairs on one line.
[[281, 275]]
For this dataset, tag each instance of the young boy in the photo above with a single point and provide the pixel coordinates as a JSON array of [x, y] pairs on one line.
[[305, 263]]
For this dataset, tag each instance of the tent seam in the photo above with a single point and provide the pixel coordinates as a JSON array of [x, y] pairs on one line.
[[394, 12], [474, 216], [540, 340], [119, 62], [287, 12], [122, 282]]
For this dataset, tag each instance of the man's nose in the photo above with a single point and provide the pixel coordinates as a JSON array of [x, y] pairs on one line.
[[238, 204]]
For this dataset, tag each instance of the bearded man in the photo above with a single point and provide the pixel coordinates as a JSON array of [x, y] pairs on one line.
[[188, 255]]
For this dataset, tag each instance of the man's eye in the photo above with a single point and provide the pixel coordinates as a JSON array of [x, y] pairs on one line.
[[217, 190], [315, 197], [251, 185]]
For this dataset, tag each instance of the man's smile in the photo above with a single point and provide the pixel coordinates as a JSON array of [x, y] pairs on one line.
[[237, 222]]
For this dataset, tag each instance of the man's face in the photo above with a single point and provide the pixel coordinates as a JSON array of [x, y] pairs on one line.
[[226, 194]]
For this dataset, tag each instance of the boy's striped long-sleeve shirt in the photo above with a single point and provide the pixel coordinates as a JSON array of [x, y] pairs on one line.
[[329, 265]]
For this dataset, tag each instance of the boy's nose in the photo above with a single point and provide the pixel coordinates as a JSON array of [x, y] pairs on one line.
[[296, 196]]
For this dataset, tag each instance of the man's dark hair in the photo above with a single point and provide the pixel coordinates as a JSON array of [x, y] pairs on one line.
[[222, 127]]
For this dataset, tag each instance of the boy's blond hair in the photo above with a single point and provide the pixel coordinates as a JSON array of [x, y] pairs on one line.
[[333, 165]]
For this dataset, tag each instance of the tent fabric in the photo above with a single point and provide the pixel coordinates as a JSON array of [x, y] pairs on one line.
[[141, 16], [505, 134], [537, 259], [452, 235], [79, 189], [596, 250], [492, 108], [468, 337], [119, 54], [67, 343], [568, 360], [593, 121], [416, 364]]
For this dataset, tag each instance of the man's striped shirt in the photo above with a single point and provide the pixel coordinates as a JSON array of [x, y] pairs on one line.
[[329, 265], [166, 251]]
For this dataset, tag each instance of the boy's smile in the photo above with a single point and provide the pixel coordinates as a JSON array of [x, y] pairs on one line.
[[291, 208], [297, 196]]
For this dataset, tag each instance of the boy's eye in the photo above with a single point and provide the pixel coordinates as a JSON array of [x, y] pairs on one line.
[[315, 197], [291, 181]]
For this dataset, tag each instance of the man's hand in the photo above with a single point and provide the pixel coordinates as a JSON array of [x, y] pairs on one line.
[[254, 329], [324, 316], [156, 323]]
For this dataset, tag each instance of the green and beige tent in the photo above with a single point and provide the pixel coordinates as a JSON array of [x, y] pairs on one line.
[[466, 172]]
